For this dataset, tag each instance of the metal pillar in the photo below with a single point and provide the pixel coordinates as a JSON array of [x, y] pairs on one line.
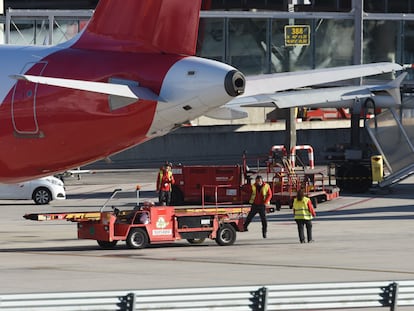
[[291, 137], [358, 9]]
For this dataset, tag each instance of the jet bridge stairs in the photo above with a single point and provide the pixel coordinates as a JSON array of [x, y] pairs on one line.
[[393, 134]]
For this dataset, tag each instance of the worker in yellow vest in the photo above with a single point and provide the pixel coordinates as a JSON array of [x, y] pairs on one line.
[[260, 197], [303, 212], [165, 180]]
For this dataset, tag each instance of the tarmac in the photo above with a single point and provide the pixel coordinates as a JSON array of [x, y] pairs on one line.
[[358, 237]]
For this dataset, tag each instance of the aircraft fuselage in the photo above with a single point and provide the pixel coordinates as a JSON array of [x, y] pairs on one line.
[[46, 129]]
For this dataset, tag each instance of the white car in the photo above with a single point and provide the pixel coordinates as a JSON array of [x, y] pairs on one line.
[[41, 190]]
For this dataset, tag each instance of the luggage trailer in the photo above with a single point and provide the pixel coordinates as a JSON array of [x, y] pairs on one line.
[[150, 224]]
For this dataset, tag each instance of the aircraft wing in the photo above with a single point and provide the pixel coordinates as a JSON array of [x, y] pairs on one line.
[[115, 87], [266, 90], [384, 95], [268, 84]]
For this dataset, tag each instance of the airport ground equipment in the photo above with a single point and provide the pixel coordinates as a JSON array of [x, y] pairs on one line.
[[391, 132], [393, 135], [230, 184], [149, 224], [389, 152], [322, 114], [287, 177]]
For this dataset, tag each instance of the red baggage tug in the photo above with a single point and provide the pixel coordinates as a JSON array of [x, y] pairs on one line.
[[149, 224]]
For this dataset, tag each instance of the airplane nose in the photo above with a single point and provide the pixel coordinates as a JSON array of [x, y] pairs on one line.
[[234, 83]]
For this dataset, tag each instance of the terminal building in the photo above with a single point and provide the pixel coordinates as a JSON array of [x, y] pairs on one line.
[[249, 34]]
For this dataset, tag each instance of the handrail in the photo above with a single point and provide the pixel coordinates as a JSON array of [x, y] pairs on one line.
[[316, 296], [216, 201]]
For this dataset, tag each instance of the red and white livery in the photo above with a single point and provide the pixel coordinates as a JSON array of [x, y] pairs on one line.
[[128, 77]]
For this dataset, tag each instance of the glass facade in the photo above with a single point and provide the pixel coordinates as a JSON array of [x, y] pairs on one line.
[[247, 44], [254, 41], [371, 6], [36, 31], [382, 41], [257, 45]]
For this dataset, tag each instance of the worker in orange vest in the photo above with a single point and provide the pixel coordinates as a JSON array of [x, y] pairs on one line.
[[165, 180], [260, 197], [303, 212]]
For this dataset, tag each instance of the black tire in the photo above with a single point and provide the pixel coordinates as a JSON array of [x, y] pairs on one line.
[[196, 240], [226, 235], [107, 244], [137, 238], [41, 196]]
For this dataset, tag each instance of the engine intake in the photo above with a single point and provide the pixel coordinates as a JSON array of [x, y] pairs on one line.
[[234, 83]]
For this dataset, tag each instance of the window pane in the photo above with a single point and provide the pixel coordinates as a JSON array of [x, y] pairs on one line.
[[401, 6], [289, 58], [380, 41], [211, 41], [334, 43], [408, 44], [66, 29], [24, 32], [374, 6], [247, 45]]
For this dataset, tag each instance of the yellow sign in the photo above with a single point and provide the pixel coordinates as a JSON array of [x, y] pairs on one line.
[[297, 35]]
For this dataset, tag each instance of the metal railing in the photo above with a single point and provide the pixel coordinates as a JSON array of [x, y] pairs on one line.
[[316, 296]]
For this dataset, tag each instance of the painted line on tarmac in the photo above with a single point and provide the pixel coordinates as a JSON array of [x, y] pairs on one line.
[[352, 204], [203, 261], [271, 265]]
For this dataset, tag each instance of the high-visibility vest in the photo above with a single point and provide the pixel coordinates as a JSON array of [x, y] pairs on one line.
[[264, 191], [160, 181], [301, 209]]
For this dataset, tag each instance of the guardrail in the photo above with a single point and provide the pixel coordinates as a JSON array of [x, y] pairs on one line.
[[316, 296]]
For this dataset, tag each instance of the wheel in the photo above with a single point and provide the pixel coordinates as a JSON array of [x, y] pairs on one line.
[[196, 241], [107, 244], [226, 235], [42, 196], [137, 238]]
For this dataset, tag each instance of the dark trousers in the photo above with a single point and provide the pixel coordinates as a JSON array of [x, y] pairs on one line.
[[164, 197], [261, 209], [301, 224]]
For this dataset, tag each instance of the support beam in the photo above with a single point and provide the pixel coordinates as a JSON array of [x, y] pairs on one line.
[[358, 9]]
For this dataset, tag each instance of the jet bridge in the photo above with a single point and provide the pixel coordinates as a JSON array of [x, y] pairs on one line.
[[393, 134]]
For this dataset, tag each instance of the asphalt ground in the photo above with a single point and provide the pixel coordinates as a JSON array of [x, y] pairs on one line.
[[363, 237]]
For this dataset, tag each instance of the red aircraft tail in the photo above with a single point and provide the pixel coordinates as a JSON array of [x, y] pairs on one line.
[[163, 26]]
